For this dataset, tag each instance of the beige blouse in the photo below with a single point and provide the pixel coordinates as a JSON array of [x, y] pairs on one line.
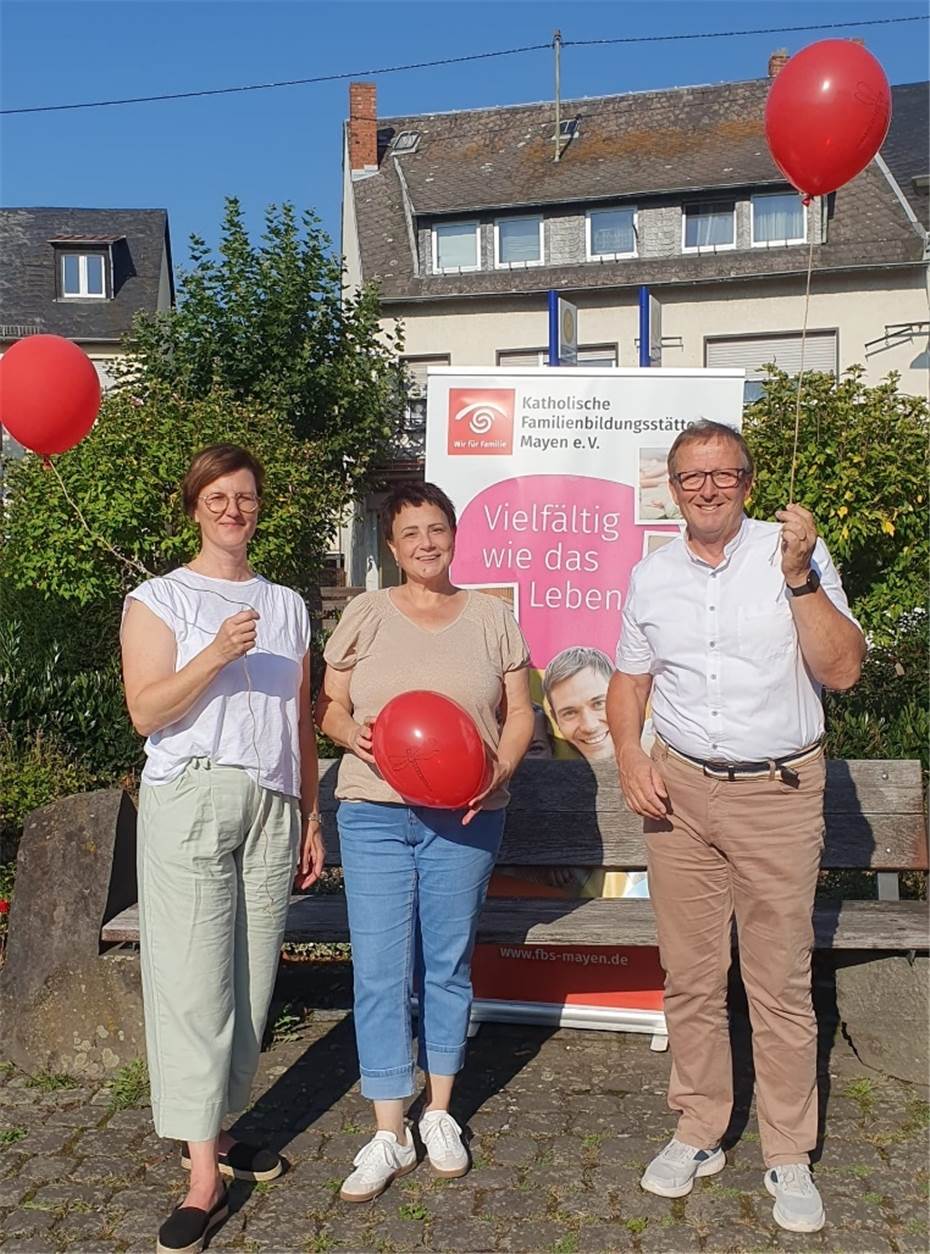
[[388, 654]]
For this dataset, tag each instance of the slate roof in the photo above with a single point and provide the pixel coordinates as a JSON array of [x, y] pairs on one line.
[[907, 148], [139, 239], [651, 147]]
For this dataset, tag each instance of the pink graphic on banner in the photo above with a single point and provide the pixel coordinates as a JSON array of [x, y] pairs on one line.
[[568, 542]]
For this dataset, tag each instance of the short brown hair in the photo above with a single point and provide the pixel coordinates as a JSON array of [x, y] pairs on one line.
[[702, 432], [212, 463], [414, 494]]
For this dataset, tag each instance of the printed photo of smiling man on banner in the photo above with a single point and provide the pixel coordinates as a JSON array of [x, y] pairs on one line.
[[559, 481]]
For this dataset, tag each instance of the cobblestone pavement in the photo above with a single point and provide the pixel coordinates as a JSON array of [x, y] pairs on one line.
[[561, 1124]]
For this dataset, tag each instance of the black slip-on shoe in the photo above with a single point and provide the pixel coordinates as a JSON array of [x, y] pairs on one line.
[[243, 1162], [187, 1227]]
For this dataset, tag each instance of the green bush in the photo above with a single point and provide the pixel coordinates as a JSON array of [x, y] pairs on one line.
[[31, 775], [862, 471], [885, 715], [81, 712]]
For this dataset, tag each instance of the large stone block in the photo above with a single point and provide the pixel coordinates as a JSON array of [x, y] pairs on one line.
[[63, 1005], [883, 1006]]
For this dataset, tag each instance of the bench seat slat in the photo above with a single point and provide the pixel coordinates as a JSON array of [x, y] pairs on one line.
[[837, 925], [571, 813]]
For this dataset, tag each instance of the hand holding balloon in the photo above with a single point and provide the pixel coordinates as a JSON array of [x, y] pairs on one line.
[[500, 773], [360, 741]]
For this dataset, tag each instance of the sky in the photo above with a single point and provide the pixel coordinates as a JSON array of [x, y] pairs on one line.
[[286, 144]]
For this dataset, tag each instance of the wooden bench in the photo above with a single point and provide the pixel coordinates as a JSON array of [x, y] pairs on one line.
[[569, 812], [70, 990]]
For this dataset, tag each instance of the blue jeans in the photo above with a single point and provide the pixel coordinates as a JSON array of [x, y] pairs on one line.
[[415, 880]]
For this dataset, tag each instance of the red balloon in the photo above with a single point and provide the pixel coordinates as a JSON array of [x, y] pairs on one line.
[[49, 393], [429, 750], [827, 115]]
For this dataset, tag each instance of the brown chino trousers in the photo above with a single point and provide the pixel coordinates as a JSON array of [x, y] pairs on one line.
[[749, 848]]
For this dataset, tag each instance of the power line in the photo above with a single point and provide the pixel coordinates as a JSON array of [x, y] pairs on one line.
[[727, 34], [475, 56]]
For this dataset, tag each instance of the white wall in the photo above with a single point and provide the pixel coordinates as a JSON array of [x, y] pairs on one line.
[[859, 305]]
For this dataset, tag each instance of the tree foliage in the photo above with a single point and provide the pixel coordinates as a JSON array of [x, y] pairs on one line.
[[862, 471], [125, 479], [270, 323]]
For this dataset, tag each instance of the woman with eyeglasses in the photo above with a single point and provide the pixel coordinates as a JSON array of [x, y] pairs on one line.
[[217, 677]]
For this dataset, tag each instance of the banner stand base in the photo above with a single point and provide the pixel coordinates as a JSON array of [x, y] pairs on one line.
[[598, 1018]]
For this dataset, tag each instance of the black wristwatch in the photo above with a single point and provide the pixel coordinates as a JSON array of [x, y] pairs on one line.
[[810, 584]]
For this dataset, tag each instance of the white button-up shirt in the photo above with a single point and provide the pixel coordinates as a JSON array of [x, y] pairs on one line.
[[729, 681]]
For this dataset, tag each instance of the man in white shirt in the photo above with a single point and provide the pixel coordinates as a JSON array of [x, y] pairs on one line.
[[731, 630]]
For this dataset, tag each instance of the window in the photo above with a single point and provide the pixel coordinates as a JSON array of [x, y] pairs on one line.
[[610, 233], [456, 246], [752, 352], [778, 218], [590, 355], [406, 141], [711, 226], [84, 275], [416, 368], [518, 241]]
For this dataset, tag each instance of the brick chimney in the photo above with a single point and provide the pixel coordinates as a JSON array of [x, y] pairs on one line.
[[777, 62], [363, 129]]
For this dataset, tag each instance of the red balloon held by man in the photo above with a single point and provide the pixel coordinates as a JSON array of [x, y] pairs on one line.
[[827, 115], [429, 750], [49, 393]]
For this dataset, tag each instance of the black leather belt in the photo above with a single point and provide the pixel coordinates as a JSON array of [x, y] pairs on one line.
[[783, 767]]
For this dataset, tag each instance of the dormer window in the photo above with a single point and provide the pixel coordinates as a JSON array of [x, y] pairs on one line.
[[456, 247], [778, 218], [84, 266], [84, 275], [708, 226], [518, 241]]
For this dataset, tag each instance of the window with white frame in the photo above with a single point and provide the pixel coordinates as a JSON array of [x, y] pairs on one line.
[[83, 275], [708, 225], [518, 241], [588, 355], [456, 246], [610, 234], [778, 218]]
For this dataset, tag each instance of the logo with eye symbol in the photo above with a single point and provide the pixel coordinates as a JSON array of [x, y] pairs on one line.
[[481, 421]]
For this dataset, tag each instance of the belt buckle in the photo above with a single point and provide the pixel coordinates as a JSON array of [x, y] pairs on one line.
[[717, 770]]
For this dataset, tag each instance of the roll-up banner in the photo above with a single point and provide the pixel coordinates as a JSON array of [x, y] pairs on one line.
[[560, 484]]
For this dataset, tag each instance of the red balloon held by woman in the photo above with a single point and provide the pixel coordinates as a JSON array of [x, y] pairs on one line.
[[49, 393], [429, 750], [827, 115]]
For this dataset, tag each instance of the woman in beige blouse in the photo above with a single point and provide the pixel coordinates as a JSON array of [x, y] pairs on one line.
[[416, 877]]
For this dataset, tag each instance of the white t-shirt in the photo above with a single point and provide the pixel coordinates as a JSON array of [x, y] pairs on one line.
[[729, 680], [248, 715]]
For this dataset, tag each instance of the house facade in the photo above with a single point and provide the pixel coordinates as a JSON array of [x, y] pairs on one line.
[[467, 220], [83, 274]]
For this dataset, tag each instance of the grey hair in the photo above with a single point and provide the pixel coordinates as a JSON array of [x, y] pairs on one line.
[[704, 430], [570, 661]]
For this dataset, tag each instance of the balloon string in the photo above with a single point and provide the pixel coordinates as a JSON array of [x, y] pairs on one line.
[[130, 562], [797, 408]]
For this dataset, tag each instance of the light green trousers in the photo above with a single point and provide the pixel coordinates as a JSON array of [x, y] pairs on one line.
[[216, 860]]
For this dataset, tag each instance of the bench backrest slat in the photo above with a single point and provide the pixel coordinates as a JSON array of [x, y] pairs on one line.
[[567, 812]]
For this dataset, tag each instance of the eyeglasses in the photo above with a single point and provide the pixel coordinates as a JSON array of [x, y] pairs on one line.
[[218, 502], [694, 480]]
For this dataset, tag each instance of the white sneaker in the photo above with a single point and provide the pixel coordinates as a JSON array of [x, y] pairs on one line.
[[442, 1137], [798, 1206], [673, 1171], [376, 1164]]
